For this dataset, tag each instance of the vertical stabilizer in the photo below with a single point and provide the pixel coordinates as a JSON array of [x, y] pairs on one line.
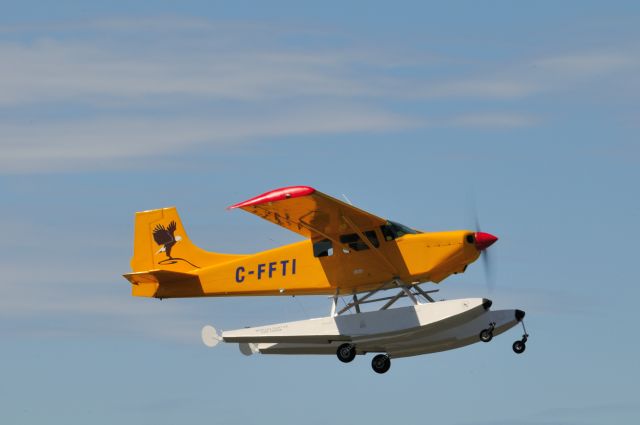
[[160, 242]]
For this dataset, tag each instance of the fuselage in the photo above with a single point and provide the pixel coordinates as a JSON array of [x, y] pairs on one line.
[[322, 267]]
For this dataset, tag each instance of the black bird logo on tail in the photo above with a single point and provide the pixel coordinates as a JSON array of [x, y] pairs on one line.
[[166, 237]]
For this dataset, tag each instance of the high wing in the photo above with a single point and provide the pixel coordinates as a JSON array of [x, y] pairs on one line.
[[310, 213]]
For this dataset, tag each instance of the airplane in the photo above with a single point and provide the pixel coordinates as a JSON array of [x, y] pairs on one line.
[[346, 252]]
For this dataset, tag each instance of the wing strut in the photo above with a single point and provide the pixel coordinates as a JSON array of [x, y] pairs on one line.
[[369, 244], [405, 291], [313, 229], [424, 293]]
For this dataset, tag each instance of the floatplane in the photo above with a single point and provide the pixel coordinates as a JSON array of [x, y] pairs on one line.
[[346, 252]]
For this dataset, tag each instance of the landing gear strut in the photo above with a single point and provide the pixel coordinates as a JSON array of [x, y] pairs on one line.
[[520, 345], [487, 334], [346, 353], [381, 363]]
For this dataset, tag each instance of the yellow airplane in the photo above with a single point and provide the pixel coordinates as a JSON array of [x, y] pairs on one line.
[[346, 251]]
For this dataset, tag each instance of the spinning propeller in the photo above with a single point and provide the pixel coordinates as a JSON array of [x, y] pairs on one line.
[[483, 241]]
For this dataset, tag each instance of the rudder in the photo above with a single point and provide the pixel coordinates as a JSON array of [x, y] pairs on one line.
[[160, 242]]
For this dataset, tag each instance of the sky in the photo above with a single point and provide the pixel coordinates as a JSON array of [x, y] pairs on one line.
[[417, 111]]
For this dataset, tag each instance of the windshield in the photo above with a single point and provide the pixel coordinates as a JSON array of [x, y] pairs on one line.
[[393, 230]]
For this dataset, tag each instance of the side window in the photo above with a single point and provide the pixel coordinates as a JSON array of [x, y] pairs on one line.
[[373, 238], [323, 248], [355, 243]]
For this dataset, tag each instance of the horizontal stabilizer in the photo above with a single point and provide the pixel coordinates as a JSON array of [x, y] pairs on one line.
[[158, 276], [159, 283]]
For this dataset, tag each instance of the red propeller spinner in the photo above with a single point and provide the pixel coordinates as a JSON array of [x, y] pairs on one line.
[[484, 240]]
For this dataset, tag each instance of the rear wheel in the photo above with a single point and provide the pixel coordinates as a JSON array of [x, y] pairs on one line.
[[486, 335], [346, 353], [381, 363]]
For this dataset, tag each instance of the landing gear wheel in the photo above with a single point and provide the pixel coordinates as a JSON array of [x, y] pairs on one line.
[[381, 363], [346, 353], [519, 347], [486, 335]]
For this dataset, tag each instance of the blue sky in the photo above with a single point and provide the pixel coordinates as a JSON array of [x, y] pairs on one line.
[[411, 109]]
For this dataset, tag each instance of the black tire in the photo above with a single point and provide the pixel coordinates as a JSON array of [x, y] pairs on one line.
[[519, 347], [381, 363], [486, 335], [346, 353]]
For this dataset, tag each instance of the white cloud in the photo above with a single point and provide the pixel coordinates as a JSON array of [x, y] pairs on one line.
[[199, 58], [51, 145], [79, 301], [52, 71], [588, 64], [130, 89], [494, 120], [480, 88], [125, 100], [536, 76]]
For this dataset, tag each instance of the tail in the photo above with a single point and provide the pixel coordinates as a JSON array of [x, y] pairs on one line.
[[164, 254]]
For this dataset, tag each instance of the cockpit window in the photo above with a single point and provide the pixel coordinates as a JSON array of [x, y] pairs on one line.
[[393, 230]]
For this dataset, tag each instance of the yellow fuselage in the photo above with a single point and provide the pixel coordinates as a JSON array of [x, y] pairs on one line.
[[294, 270]]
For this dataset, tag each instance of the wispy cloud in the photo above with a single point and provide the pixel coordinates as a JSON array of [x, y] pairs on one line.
[[495, 120], [54, 301], [54, 145], [160, 85], [488, 87], [73, 102], [588, 64], [52, 71], [561, 73]]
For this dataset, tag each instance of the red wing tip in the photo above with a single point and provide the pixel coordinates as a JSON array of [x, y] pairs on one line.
[[275, 195]]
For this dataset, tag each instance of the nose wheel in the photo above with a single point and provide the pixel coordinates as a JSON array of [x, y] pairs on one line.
[[519, 346]]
